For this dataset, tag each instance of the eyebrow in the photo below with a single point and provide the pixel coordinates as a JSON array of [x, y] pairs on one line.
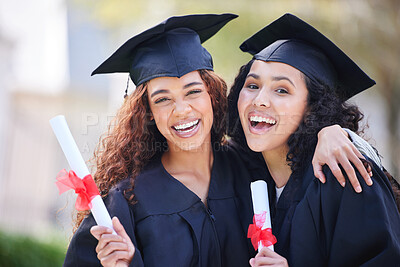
[[274, 78], [159, 92], [191, 84], [255, 76], [280, 78]]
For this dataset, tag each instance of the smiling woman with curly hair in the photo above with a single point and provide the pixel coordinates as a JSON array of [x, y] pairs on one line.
[[135, 139], [163, 170]]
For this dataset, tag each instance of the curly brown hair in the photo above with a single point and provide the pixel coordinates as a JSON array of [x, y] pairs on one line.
[[133, 138]]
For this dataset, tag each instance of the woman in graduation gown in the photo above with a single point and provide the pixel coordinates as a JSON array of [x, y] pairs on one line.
[[165, 175], [177, 206], [297, 83]]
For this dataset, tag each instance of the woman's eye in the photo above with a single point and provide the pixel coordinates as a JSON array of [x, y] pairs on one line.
[[160, 100], [195, 91], [281, 91], [252, 86]]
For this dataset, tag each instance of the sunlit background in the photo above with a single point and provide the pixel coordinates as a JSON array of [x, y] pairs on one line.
[[48, 49]]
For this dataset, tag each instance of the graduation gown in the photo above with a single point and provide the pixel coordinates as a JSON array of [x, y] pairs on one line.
[[170, 226], [326, 225]]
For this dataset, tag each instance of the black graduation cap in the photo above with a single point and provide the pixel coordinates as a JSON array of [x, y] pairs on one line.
[[170, 49], [292, 41]]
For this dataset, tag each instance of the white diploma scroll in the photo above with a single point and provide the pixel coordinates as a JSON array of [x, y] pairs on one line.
[[259, 195], [77, 164]]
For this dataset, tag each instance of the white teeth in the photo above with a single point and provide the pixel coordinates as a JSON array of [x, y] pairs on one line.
[[186, 125], [262, 119]]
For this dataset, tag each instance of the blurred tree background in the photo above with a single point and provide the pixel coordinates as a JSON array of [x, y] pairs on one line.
[[367, 30]]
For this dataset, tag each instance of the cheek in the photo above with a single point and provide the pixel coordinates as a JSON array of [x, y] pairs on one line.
[[208, 110], [243, 102], [204, 106], [297, 112], [160, 118]]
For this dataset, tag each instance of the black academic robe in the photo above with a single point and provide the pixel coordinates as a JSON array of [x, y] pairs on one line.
[[170, 226], [326, 225]]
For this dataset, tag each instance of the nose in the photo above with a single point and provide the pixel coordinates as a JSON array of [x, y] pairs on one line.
[[262, 98], [181, 108]]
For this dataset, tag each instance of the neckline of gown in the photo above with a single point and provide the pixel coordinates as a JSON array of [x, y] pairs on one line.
[[156, 192], [216, 190], [294, 189]]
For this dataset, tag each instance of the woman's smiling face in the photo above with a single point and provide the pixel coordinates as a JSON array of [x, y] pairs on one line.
[[271, 105], [182, 110]]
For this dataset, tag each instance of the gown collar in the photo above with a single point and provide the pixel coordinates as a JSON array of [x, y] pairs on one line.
[[158, 192]]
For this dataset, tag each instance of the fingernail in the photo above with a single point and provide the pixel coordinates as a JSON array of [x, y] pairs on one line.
[[370, 174], [358, 189], [343, 184], [370, 182]]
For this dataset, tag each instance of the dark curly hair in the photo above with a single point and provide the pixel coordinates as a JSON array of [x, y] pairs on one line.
[[324, 108], [133, 139]]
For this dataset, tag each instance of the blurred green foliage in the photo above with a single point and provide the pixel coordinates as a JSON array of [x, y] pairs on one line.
[[21, 251]]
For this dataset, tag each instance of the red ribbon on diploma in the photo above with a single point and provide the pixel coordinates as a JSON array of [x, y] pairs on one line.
[[85, 188], [257, 235]]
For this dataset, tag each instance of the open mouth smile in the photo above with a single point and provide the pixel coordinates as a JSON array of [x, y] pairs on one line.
[[186, 129], [260, 124]]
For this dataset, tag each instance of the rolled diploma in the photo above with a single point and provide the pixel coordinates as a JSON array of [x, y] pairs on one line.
[[259, 195], [77, 164]]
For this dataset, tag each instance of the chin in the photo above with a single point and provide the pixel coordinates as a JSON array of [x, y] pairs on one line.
[[256, 145], [194, 145], [189, 146]]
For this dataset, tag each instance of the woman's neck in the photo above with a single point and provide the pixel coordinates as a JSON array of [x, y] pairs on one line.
[[277, 165], [192, 168], [198, 160]]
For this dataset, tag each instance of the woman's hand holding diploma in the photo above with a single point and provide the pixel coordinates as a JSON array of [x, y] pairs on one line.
[[267, 257], [79, 179], [260, 231], [113, 250]]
